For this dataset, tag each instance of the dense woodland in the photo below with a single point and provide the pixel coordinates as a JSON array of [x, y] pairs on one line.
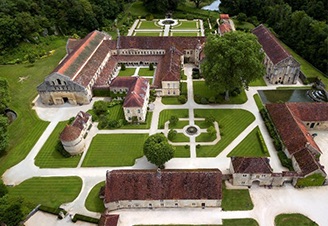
[[301, 24]]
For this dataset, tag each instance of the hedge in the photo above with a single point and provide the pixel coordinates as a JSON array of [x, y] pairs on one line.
[[85, 218], [264, 147]]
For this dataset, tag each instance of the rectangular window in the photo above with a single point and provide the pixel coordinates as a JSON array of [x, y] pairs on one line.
[[244, 175], [138, 110]]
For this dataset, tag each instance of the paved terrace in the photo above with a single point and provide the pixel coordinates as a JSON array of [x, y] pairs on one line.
[[268, 203]]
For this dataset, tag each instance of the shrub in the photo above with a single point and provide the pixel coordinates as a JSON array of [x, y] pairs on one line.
[[100, 107], [70, 120], [210, 119], [286, 162], [85, 218], [212, 99], [123, 67], [203, 100], [172, 134], [174, 120], [211, 130], [151, 66], [3, 189], [182, 99], [198, 146], [186, 146], [149, 17], [59, 147]]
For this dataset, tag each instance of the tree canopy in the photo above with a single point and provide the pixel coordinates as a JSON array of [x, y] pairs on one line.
[[157, 150], [4, 95], [232, 61], [161, 6]]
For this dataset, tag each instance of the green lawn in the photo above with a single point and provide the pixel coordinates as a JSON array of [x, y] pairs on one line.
[[188, 25], [202, 124], [185, 34], [258, 101], [93, 202], [236, 199], [145, 34], [180, 137], [127, 72], [170, 100], [146, 72], [308, 69], [114, 150], [231, 121], [181, 152], [180, 124], [149, 25], [250, 146], [293, 219], [22, 95], [205, 137], [165, 115], [48, 191], [258, 82], [239, 222], [201, 90], [49, 157], [243, 25]]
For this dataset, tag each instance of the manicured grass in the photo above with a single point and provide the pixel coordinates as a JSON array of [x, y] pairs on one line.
[[243, 25], [313, 180], [201, 90], [202, 124], [185, 34], [231, 121], [239, 222], [49, 157], [258, 82], [293, 219], [48, 191], [146, 72], [93, 202], [184, 88], [308, 69], [22, 95], [250, 146], [258, 101], [181, 152], [180, 137], [205, 137], [127, 72], [236, 199], [187, 25], [165, 115], [149, 25], [170, 100], [145, 34], [180, 124], [114, 150]]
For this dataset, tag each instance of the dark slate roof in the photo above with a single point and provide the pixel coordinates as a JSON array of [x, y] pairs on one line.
[[163, 185], [270, 44], [251, 165]]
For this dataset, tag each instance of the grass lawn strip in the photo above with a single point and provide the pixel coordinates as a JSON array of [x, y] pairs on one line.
[[149, 25], [202, 124], [251, 146], [145, 34], [180, 124], [127, 72], [165, 115], [205, 137], [258, 82], [93, 202], [293, 219], [49, 157], [145, 72], [236, 199], [170, 101], [48, 191], [182, 152], [180, 137], [231, 122], [22, 95], [185, 34], [114, 150], [186, 25], [258, 101]]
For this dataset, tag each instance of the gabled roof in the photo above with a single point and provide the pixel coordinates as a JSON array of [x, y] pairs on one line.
[[224, 16], [137, 87], [163, 184], [251, 165], [270, 44], [108, 220], [310, 111], [73, 131], [306, 161]]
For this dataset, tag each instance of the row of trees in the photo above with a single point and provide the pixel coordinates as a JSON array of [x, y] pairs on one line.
[[163, 6], [27, 19], [4, 101], [293, 23]]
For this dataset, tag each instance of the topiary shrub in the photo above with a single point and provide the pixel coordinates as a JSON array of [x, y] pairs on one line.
[[182, 99], [151, 66], [123, 67]]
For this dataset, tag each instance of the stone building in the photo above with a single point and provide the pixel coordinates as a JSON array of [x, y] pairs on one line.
[[73, 135], [137, 96], [281, 67], [93, 61], [163, 189], [225, 24]]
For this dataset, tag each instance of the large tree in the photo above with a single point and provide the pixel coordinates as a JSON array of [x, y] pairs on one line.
[[157, 150], [232, 61]]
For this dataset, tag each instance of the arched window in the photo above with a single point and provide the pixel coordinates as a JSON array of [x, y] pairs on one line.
[[58, 81]]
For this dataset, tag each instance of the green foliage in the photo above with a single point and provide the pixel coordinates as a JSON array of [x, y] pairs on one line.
[[293, 219], [161, 6], [3, 189], [123, 67], [157, 150], [241, 17], [173, 120], [3, 133], [93, 202], [172, 134], [210, 119], [151, 66], [85, 218], [11, 210], [182, 99], [100, 107], [286, 162], [211, 131], [101, 92], [236, 199], [59, 147], [312, 180], [226, 66], [4, 95]]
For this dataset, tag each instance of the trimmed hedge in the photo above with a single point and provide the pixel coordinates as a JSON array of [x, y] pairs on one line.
[[263, 145], [85, 218], [286, 162]]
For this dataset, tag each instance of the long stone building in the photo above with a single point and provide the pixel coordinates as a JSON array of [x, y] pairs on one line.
[[281, 67], [92, 62], [163, 189]]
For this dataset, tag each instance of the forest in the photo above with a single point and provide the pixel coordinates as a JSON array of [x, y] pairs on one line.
[[301, 24]]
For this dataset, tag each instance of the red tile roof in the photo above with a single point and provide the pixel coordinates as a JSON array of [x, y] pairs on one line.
[[163, 185], [137, 87], [224, 16], [251, 165], [108, 220], [73, 131], [224, 28], [270, 44], [310, 111], [306, 161]]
